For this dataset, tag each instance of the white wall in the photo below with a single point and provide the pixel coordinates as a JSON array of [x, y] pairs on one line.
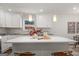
[[60, 27]]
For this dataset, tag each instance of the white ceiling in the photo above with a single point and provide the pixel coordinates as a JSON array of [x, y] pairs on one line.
[[35, 7]]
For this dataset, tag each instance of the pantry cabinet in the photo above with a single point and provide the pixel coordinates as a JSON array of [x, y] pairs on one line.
[[10, 20], [44, 21]]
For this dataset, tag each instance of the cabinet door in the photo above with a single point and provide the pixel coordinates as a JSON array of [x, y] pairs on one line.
[[43, 21], [4, 45], [8, 18], [19, 20], [2, 19], [16, 21]]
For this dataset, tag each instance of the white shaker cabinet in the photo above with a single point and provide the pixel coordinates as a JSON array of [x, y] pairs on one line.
[[19, 17], [4, 45], [16, 21], [43, 20], [10, 20], [13, 20], [2, 19]]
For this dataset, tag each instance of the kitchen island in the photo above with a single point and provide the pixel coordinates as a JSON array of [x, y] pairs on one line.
[[42, 47]]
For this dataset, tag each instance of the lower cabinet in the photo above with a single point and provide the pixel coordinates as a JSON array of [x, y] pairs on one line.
[[4, 45]]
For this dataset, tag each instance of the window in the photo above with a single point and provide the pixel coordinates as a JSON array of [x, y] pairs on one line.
[[73, 27]]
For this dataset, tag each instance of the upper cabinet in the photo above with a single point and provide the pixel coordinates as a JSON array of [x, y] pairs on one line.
[[16, 21], [10, 20], [44, 21], [2, 19]]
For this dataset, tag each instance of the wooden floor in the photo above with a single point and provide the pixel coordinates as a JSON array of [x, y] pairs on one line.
[[75, 50]]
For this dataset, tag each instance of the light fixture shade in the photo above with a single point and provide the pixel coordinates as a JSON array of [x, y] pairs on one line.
[[54, 18], [30, 18], [74, 8], [41, 10], [9, 9]]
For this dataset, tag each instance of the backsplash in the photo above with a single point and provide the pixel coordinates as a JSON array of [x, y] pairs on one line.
[[3, 31], [17, 31], [21, 31]]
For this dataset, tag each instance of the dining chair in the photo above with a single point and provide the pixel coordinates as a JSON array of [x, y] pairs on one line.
[[76, 37], [24, 53], [62, 53]]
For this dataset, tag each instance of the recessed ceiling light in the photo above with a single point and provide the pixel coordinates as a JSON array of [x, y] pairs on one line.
[[74, 8], [41, 10], [9, 9]]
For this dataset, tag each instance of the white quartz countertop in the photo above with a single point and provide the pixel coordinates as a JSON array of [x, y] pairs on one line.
[[29, 39]]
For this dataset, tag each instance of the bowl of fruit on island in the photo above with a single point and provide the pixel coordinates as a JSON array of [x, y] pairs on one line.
[[45, 36], [34, 33]]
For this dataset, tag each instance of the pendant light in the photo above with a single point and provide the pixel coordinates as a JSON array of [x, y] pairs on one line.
[[54, 18], [30, 18]]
